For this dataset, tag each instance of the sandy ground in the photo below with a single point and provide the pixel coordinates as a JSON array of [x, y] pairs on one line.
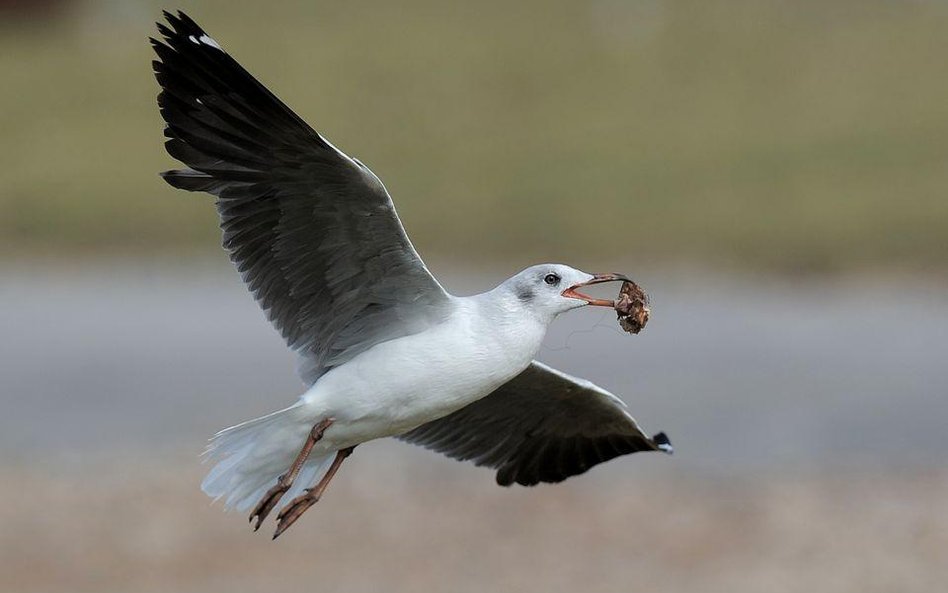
[[390, 523]]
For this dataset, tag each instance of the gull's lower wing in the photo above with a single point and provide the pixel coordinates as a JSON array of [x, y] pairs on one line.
[[312, 231], [541, 426]]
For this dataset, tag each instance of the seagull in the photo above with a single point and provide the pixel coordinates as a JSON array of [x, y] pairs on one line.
[[384, 350]]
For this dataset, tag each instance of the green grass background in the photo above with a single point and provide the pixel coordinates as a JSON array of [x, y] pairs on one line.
[[793, 136]]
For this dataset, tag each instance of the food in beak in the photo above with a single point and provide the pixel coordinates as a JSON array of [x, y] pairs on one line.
[[632, 307], [573, 293]]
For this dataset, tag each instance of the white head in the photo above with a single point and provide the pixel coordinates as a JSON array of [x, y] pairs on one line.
[[551, 289]]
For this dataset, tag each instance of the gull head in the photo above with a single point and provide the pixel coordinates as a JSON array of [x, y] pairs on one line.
[[551, 289]]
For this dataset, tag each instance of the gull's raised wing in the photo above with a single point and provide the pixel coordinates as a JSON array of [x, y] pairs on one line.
[[541, 426], [312, 231]]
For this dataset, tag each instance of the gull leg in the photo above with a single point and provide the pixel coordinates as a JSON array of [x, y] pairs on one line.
[[273, 495], [295, 509]]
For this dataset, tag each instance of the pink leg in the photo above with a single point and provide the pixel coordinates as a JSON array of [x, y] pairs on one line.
[[295, 509], [273, 495]]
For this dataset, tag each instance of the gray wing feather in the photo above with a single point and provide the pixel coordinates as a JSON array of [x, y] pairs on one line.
[[541, 426], [313, 232]]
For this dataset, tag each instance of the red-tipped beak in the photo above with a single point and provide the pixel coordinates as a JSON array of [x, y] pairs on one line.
[[572, 293]]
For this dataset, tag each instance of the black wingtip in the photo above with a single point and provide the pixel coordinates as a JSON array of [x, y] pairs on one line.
[[173, 19], [182, 34], [181, 25], [165, 32], [662, 443], [189, 23]]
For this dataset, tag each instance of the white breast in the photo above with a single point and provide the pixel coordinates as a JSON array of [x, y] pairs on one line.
[[398, 385]]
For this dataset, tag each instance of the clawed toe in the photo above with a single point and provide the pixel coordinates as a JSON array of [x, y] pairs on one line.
[[267, 503], [296, 507], [294, 510]]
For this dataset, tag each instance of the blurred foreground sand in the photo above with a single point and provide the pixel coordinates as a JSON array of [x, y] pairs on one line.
[[390, 523]]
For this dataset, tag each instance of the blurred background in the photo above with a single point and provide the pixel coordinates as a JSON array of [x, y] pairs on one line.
[[772, 172]]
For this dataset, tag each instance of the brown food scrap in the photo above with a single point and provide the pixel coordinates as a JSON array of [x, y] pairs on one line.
[[632, 307]]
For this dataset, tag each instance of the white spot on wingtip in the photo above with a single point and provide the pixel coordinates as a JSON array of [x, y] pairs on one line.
[[208, 40], [193, 40]]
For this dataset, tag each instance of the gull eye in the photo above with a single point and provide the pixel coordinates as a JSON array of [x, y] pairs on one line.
[[551, 279]]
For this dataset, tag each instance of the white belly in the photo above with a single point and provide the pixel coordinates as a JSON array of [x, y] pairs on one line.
[[399, 385]]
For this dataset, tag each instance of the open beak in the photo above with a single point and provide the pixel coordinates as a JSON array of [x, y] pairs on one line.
[[572, 293]]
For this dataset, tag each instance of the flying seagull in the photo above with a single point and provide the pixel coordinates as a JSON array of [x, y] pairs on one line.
[[384, 349]]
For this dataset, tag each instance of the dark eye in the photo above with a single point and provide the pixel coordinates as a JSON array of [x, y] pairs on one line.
[[551, 279]]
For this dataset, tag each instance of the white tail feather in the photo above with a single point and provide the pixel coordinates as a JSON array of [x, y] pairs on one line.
[[250, 457]]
